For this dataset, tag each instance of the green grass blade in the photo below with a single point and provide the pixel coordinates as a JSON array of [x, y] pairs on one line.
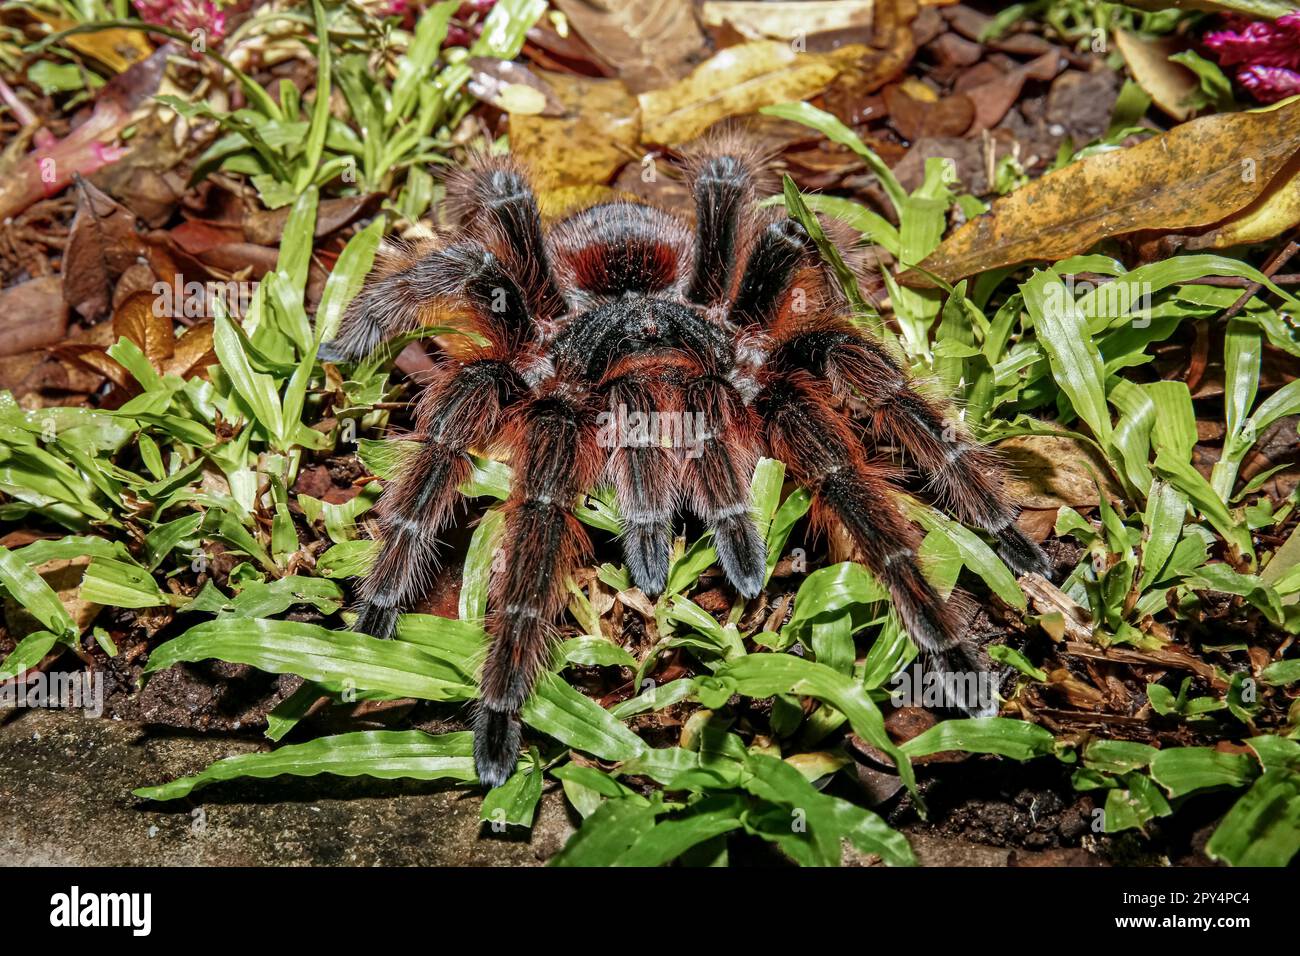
[[383, 754]]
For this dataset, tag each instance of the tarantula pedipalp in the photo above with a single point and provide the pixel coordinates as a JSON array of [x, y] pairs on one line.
[[621, 309]]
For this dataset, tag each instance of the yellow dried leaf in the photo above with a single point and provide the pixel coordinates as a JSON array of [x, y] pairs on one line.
[[518, 98], [918, 90], [758, 19], [1197, 174], [1268, 217], [740, 79], [116, 49], [586, 146], [566, 200]]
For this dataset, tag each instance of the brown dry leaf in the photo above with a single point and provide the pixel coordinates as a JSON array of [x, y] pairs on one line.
[[785, 20], [915, 118], [892, 48], [993, 99], [1047, 471], [32, 315], [1197, 174], [265, 227], [1172, 86], [103, 243], [741, 79], [193, 351], [136, 319], [586, 146], [651, 42], [95, 359]]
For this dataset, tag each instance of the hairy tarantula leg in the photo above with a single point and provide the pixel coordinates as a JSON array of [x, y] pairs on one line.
[[965, 476], [718, 462], [496, 193], [816, 441], [724, 190], [461, 409], [644, 473], [779, 251], [554, 458], [396, 301]]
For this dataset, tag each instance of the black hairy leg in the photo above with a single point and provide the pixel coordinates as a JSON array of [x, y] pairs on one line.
[[816, 440], [964, 476], [646, 474], [459, 409], [554, 454], [718, 463]]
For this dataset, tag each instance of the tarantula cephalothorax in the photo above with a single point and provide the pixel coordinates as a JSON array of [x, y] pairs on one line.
[[620, 309]]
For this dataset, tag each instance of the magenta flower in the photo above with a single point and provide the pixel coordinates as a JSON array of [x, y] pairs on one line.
[[185, 15], [1266, 54]]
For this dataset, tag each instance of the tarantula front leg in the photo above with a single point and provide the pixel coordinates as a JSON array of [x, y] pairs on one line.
[[554, 457], [645, 474], [460, 408], [817, 443], [723, 186], [964, 475], [719, 455], [410, 286], [495, 199], [781, 249]]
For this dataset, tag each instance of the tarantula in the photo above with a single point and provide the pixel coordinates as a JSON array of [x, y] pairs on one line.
[[622, 308]]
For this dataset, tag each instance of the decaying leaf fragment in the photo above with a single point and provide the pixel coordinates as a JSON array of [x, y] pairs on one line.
[[1197, 174], [650, 42], [1172, 86], [1272, 214], [597, 134], [740, 79], [138, 320], [784, 20]]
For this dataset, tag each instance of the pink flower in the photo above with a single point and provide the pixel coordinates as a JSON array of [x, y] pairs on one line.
[[1266, 53], [1269, 83], [185, 15]]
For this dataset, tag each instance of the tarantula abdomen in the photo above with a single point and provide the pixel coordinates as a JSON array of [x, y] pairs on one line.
[[621, 312]]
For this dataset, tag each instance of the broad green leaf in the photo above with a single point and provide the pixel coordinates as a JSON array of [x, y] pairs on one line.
[[764, 675], [29, 652], [30, 590], [515, 802], [615, 827], [384, 754], [1017, 739], [1076, 364], [556, 709], [348, 274], [1118, 756], [1183, 770], [669, 838], [595, 651], [317, 653], [828, 819], [1263, 827], [120, 584]]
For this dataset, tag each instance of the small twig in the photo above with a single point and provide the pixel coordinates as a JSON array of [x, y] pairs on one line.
[[1223, 282], [1279, 259]]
